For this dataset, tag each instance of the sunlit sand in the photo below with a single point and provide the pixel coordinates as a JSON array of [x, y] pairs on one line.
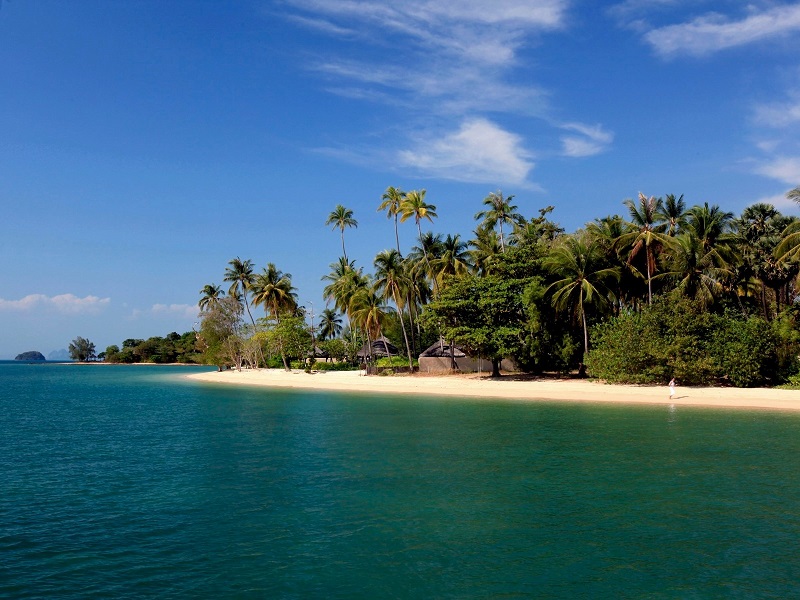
[[509, 387]]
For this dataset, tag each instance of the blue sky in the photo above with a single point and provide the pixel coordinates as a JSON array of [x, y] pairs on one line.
[[144, 144]]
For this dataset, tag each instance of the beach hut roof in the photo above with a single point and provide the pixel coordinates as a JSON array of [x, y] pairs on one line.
[[380, 347], [442, 349]]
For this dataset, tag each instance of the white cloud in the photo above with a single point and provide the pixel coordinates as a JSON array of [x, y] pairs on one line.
[[779, 201], [479, 152], [785, 169], [62, 303], [714, 32], [590, 141], [452, 61], [187, 311], [779, 114]]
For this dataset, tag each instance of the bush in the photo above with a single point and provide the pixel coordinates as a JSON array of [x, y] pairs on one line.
[[677, 338], [394, 361]]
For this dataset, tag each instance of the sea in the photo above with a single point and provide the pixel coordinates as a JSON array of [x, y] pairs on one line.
[[136, 482]]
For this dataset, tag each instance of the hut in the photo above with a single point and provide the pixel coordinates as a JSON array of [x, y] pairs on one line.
[[380, 349], [436, 359]]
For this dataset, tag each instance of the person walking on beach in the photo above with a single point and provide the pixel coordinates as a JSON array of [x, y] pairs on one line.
[[671, 388]]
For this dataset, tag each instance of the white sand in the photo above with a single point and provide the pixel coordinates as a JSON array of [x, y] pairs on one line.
[[509, 388]]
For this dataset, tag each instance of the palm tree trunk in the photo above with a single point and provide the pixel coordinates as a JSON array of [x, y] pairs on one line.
[[585, 332], [649, 279], [344, 252], [397, 235], [405, 335], [502, 244]]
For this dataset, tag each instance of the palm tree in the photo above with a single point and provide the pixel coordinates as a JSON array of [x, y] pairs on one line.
[[414, 205], [369, 313], [345, 280], [240, 274], [710, 224], [392, 200], [645, 235], [794, 194], [390, 280], [699, 270], [273, 289], [499, 211], [453, 259], [485, 250], [211, 293], [581, 266], [330, 324], [340, 218], [673, 211]]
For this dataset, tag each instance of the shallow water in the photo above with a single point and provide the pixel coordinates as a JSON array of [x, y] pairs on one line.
[[134, 482]]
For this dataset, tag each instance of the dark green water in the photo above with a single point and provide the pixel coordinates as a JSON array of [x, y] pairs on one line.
[[131, 482]]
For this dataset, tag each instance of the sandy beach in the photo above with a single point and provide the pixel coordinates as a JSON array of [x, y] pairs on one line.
[[509, 388]]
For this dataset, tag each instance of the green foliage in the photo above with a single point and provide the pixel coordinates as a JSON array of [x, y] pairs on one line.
[[676, 338], [394, 361], [81, 349]]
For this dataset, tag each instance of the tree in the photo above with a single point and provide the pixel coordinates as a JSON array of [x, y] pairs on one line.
[[340, 218], [392, 200], [240, 274], [673, 212], [584, 277], [330, 324], [390, 281], [414, 205], [81, 349], [221, 333], [646, 234], [484, 315], [211, 293], [499, 211], [273, 289]]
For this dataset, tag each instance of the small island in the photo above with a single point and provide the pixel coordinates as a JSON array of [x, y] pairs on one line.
[[30, 356]]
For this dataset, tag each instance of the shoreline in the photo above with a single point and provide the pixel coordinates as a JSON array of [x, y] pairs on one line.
[[508, 388]]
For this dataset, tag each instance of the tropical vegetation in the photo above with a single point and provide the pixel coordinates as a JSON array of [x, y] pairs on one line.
[[665, 289]]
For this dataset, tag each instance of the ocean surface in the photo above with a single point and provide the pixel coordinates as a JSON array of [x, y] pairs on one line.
[[133, 482]]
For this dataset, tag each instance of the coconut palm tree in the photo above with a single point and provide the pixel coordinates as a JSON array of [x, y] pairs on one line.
[[499, 211], [453, 259], [330, 324], [390, 282], [273, 290], [673, 212], [392, 200], [710, 224], [700, 271], [794, 194], [211, 293], [340, 218], [485, 250], [240, 274], [580, 264], [646, 233], [414, 205], [368, 312]]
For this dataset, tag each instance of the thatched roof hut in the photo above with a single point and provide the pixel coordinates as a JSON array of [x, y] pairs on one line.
[[441, 349], [380, 348]]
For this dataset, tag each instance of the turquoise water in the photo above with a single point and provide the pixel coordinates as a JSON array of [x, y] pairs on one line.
[[131, 482]]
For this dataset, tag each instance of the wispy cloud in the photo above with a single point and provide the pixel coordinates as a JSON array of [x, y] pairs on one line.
[[185, 311], [779, 114], [785, 169], [452, 62], [63, 303], [591, 140], [713, 32], [478, 151]]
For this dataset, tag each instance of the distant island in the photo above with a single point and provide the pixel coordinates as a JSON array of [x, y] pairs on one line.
[[32, 355]]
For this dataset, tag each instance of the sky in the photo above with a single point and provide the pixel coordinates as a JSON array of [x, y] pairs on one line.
[[144, 144]]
